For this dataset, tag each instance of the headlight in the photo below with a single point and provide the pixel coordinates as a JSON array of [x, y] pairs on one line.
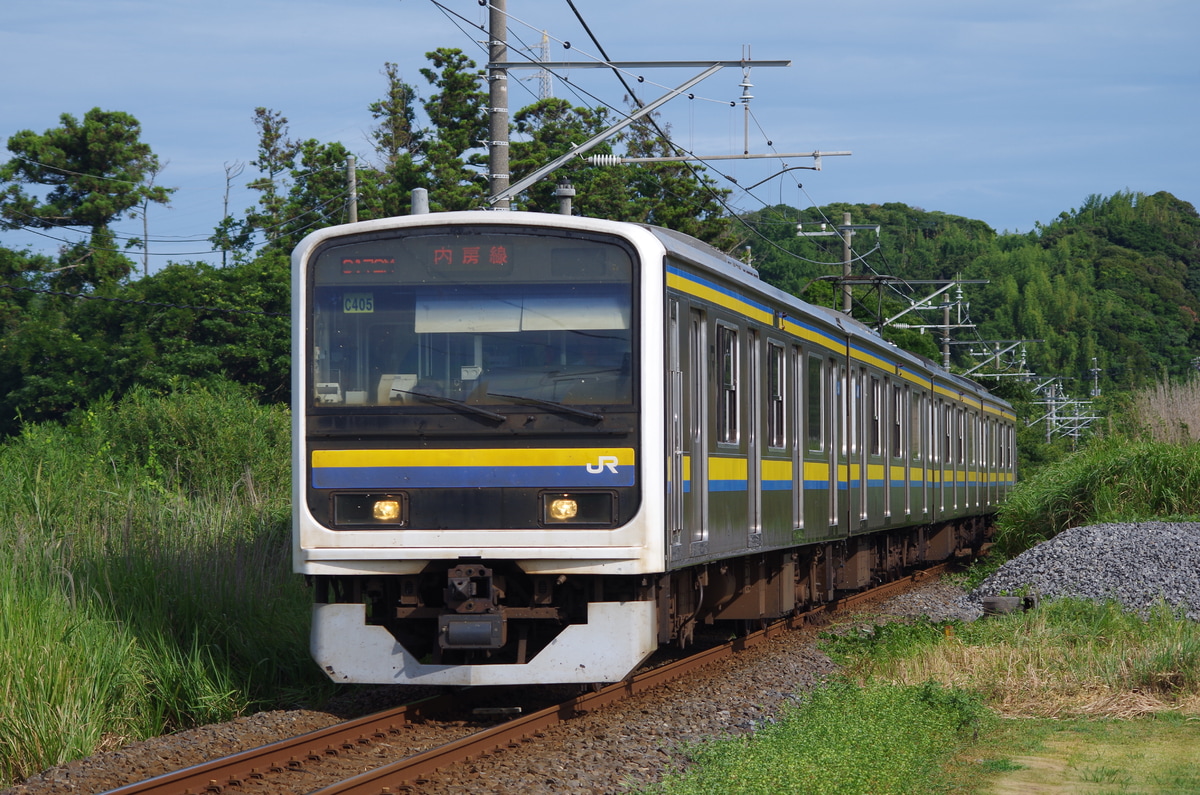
[[370, 510], [386, 510], [596, 509], [563, 509]]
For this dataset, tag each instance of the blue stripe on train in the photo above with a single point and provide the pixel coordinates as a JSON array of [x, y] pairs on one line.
[[458, 477]]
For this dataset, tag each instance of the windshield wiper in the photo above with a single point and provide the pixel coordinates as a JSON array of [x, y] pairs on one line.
[[550, 404], [460, 406]]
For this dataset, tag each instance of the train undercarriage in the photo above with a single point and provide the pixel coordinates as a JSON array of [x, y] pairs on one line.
[[471, 622]]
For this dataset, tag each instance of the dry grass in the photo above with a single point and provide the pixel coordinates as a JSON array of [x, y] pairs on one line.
[[1066, 660], [1170, 412]]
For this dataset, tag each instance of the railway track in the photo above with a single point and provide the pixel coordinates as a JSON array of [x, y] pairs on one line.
[[254, 769]]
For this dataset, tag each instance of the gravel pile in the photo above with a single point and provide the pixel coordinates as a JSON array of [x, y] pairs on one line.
[[1135, 564]]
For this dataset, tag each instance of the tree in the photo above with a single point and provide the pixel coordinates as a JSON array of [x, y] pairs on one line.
[[551, 127], [276, 154], [231, 236], [95, 170], [678, 196], [317, 195], [400, 143], [455, 163]]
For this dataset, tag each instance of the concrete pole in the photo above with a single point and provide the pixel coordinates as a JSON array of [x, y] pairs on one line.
[[847, 235], [352, 198], [946, 336], [498, 98]]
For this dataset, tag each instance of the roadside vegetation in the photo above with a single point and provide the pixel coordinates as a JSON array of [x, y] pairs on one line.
[[145, 575], [1073, 696], [145, 580]]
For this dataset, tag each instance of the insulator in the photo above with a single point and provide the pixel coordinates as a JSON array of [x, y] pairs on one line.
[[604, 160]]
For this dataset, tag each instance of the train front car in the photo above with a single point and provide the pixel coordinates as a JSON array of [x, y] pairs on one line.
[[470, 497]]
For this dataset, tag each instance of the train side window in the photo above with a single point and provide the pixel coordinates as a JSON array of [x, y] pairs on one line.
[[816, 403], [960, 428], [858, 396], [727, 389], [776, 418], [876, 410], [898, 415], [916, 431], [947, 432]]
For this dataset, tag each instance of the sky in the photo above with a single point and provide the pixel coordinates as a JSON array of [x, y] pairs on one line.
[[1007, 112]]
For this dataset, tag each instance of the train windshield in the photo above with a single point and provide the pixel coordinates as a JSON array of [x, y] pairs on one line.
[[474, 316]]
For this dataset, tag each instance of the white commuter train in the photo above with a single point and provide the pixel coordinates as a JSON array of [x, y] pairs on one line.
[[533, 448]]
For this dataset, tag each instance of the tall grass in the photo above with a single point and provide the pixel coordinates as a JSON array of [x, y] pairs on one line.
[[1149, 472], [1112, 480], [145, 574], [69, 675], [1169, 412]]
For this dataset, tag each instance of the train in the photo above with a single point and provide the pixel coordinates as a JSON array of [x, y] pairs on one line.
[[533, 449]]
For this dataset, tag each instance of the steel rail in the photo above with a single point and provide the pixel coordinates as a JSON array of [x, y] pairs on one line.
[[414, 769], [215, 775], [257, 762]]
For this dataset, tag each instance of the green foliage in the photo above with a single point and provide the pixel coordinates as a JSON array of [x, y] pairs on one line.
[[386, 191], [883, 642], [187, 323], [1112, 285], [145, 577], [69, 673], [843, 738], [276, 154], [459, 112], [1059, 674], [92, 171], [1112, 480]]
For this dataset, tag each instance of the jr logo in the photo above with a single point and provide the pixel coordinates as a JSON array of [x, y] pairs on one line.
[[606, 461]]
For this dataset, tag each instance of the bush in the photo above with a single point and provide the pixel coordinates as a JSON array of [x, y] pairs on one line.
[[146, 573], [1112, 480]]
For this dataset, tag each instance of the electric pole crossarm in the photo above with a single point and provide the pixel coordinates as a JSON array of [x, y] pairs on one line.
[[578, 150], [635, 64], [994, 355], [617, 160], [922, 304]]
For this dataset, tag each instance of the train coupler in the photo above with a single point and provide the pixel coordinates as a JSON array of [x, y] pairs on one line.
[[477, 621]]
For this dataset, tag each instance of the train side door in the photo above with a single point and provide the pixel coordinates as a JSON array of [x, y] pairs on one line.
[[754, 437], [675, 432], [856, 450], [839, 486], [695, 452]]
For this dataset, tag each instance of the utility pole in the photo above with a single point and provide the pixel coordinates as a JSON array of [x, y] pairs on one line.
[[846, 232], [847, 235], [501, 189], [498, 99], [352, 183]]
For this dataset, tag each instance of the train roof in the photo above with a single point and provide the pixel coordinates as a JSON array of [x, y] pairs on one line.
[[711, 258], [683, 247]]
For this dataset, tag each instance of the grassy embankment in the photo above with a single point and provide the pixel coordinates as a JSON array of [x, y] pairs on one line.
[[1072, 697], [145, 575]]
